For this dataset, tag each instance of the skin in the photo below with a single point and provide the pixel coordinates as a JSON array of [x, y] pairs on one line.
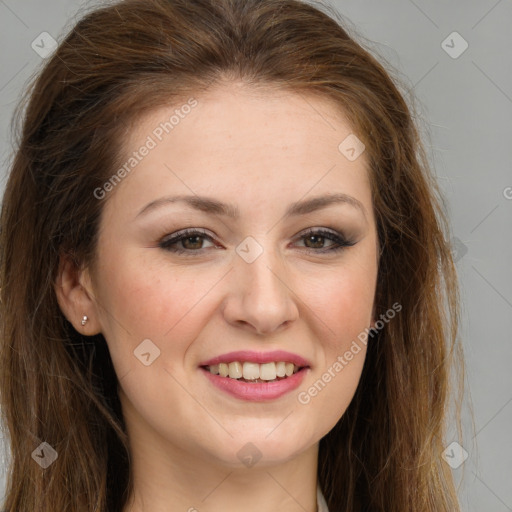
[[261, 151]]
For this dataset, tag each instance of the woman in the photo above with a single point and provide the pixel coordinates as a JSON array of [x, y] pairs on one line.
[[225, 276]]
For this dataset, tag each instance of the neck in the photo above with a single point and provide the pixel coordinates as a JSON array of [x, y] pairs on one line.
[[168, 478]]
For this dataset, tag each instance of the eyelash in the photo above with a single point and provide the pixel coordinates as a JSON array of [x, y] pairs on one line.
[[340, 242]]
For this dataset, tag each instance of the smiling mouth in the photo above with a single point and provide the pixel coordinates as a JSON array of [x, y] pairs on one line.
[[254, 372]]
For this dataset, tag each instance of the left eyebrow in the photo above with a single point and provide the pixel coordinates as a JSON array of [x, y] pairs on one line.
[[316, 203]]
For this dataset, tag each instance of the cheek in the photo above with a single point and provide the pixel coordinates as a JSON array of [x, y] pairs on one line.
[[347, 314], [148, 301], [344, 307], [343, 301]]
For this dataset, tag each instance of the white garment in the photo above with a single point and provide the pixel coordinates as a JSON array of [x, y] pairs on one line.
[[320, 501]]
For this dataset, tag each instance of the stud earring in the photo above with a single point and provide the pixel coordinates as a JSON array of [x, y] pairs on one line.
[[84, 319]]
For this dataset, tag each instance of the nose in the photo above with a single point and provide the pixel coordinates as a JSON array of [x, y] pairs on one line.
[[261, 296]]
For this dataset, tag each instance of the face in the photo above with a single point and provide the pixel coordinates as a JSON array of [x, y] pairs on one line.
[[187, 288]]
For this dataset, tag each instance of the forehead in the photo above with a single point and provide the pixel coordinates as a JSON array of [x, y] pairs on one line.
[[239, 141], [238, 116]]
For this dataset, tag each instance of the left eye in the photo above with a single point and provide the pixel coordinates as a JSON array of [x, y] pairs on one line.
[[192, 241]]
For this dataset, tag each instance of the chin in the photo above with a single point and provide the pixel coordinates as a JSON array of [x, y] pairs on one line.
[[263, 448]]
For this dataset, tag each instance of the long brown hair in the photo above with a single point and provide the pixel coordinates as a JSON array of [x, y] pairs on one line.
[[59, 387]]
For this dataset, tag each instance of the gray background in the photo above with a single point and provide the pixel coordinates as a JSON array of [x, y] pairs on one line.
[[465, 109]]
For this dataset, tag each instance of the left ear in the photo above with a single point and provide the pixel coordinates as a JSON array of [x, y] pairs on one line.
[[73, 289]]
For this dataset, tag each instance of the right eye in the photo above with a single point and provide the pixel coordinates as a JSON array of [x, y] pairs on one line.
[[190, 240]]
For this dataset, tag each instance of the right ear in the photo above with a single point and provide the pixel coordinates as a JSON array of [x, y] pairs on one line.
[[73, 288]]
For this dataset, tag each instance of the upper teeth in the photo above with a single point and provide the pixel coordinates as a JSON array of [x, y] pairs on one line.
[[253, 371]]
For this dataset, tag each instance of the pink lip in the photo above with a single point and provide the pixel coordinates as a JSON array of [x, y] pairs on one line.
[[257, 391], [257, 357]]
